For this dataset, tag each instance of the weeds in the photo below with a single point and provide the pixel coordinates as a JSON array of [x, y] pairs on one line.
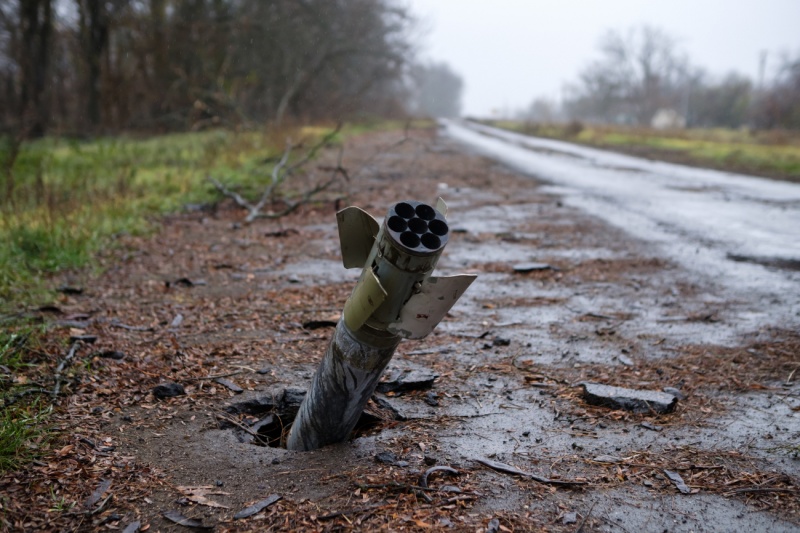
[[769, 153], [61, 200], [22, 434]]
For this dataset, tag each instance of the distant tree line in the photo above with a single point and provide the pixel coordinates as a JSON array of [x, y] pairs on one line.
[[643, 72], [89, 66]]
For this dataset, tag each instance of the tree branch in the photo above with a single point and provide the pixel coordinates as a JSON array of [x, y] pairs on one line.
[[280, 173]]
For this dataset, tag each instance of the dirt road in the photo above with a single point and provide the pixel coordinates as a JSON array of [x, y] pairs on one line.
[[208, 300]]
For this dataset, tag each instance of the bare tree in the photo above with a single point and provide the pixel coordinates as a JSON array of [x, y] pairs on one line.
[[779, 104], [36, 21], [639, 72], [723, 103], [180, 64], [436, 90]]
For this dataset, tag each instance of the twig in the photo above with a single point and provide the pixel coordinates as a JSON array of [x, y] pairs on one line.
[[763, 489], [118, 324], [241, 426], [276, 179], [60, 368], [423, 479], [585, 518], [15, 397], [508, 469], [352, 511], [216, 376]]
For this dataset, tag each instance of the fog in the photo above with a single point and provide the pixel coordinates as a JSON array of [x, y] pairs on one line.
[[509, 52]]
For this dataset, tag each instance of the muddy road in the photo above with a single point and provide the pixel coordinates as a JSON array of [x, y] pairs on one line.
[[582, 278]]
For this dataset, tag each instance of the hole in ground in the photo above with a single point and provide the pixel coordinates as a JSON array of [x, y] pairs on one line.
[[266, 420]]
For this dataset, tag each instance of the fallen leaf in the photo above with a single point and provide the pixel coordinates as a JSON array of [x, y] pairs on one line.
[[98, 493], [198, 495], [678, 481]]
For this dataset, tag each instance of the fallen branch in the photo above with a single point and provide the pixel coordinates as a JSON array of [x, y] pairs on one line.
[[241, 426], [280, 172], [9, 400], [508, 469], [423, 479], [62, 365]]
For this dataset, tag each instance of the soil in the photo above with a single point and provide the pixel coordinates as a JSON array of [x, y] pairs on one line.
[[208, 297]]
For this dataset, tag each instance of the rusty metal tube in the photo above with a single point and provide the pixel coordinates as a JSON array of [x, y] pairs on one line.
[[395, 298]]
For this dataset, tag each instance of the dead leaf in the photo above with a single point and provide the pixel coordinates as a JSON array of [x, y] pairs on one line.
[[98, 493], [677, 480], [198, 495]]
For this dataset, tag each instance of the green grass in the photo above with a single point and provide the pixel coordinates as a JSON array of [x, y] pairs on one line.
[[768, 153], [22, 434], [23, 429], [64, 199]]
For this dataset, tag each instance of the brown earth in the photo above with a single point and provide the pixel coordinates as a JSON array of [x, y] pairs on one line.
[[208, 297]]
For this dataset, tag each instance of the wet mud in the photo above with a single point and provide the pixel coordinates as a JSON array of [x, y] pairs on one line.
[[609, 308]]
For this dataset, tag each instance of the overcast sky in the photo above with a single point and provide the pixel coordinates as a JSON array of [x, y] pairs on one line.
[[511, 51]]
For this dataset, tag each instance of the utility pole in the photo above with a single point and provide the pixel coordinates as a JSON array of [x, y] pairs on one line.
[[395, 298]]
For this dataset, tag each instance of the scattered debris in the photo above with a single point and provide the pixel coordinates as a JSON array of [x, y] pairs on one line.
[[625, 360], [177, 321], [186, 282], [432, 399], [678, 481], [414, 380], [88, 339], [570, 518], [523, 268], [230, 385], [608, 459], [110, 354], [168, 390], [387, 458], [178, 518], [497, 341], [62, 365], [257, 507], [493, 526], [675, 392], [199, 495], [386, 407], [508, 469], [317, 324], [95, 496], [117, 324], [423, 479], [282, 232], [70, 290], [133, 527], [638, 401], [651, 427]]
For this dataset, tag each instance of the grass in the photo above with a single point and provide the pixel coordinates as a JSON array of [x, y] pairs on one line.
[[22, 427], [61, 200], [22, 431], [767, 153]]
